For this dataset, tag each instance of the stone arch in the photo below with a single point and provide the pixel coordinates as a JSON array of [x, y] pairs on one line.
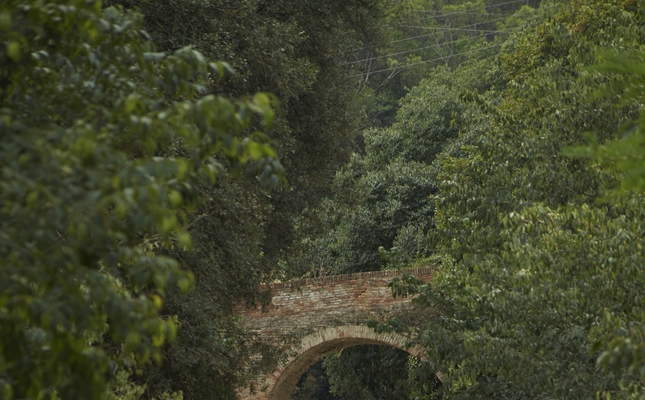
[[281, 383], [310, 318]]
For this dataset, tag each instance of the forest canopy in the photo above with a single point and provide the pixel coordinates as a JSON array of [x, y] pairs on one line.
[[160, 160], [517, 172], [102, 153]]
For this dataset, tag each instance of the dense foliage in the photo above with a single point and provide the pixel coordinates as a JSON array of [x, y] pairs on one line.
[[421, 35], [541, 269], [535, 270], [382, 207], [91, 120], [500, 140], [539, 252], [243, 234], [71, 63]]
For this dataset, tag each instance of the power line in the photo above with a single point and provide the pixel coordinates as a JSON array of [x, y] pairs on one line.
[[426, 61], [460, 12], [461, 27], [441, 29], [473, 24], [406, 39], [422, 48]]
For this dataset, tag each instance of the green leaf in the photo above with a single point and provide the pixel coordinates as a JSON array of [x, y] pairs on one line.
[[13, 51]]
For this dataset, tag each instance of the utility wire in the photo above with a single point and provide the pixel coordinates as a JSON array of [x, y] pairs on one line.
[[461, 27], [439, 12], [447, 29], [461, 13], [471, 25], [423, 48], [441, 29], [404, 40], [426, 61]]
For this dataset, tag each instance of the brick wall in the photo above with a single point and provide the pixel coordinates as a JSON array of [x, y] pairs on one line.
[[310, 318]]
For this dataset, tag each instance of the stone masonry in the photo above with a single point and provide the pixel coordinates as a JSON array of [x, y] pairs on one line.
[[311, 318]]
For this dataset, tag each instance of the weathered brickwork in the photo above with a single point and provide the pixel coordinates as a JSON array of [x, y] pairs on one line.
[[308, 319]]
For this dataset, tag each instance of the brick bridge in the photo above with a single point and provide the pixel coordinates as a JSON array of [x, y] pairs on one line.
[[311, 318]]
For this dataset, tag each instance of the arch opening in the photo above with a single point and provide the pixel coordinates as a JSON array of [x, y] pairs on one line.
[[318, 345], [358, 372]]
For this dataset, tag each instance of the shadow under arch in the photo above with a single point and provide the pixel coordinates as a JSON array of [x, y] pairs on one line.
[[280, 384]]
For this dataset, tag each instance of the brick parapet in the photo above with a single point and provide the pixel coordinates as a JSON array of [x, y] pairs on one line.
[[359, 276]]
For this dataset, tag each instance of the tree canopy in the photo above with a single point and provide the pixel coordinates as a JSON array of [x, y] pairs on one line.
[[93, 122], [142, 198], [538, 252]]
